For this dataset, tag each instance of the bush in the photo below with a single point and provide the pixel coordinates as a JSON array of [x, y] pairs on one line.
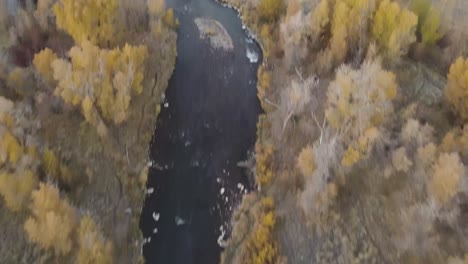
[[456, 90]]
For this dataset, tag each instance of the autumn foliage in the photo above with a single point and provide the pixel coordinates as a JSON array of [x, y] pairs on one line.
[[52, 222], [448, 173], [88, 20], [360, 99], [270, 10], [101, 81], [93, 247], [394, 28], [457, 87], [261, 247]]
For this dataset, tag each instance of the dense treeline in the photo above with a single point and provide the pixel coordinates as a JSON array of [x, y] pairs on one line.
[[363, 144], [64, 176]]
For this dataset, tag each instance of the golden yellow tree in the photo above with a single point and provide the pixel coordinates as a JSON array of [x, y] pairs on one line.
[[92, 20], [52, 222], [16, 188], [93, 247], [101, 81], [428, 21], [445, 182], [456, 90], [43, 63], [320, 18], [394, 28], [17, 162]]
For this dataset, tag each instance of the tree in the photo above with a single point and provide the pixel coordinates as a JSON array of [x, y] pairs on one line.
[[270, 10], [16, 188], [293, 33], [428, 21], [93, 247], [445, 182], [320, 19], [456, 90], [54, 168], [88, 20], [394, 28], [360, 99], [101, 81], [43, 63], [52, 222], [296, 97]]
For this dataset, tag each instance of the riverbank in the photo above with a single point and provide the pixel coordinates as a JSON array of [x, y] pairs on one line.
[[107, 175], [325, 210]]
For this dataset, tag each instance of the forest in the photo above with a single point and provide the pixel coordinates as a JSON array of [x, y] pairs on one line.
[[362, 150], [361, 153], [80, 88]]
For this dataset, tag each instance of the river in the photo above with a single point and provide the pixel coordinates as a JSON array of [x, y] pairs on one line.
[[207, 124]]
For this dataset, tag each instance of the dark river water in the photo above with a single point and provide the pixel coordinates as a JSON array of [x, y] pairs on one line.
[[207, 125]]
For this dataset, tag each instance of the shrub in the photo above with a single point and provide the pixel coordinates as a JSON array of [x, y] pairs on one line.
[[456, 90]]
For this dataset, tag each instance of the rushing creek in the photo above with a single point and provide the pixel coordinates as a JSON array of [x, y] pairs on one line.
[[206, 126]]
